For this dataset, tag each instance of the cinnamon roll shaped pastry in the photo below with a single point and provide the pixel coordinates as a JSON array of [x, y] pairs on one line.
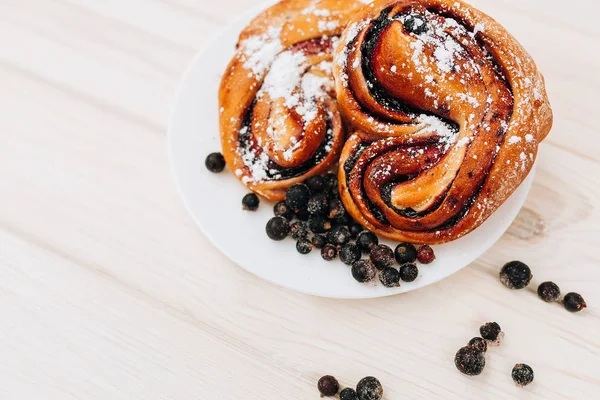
[[450, 110], [279, 118]]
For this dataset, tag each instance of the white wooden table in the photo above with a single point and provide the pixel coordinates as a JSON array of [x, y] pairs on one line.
[[109, 291]]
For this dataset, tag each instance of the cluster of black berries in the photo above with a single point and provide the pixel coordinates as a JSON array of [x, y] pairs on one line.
[[368, 388], [315, 217], [470, 360], [517, 275]]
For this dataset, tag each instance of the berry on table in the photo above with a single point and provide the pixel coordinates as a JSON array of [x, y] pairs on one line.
[[415, 23], [278, 228], [515, 275], [315, 183], [355, 229], [336, 208], [574, 302], [405, 253], [479, 343], [389, 277], [348, 394], [302, 214], [328, 385], [469, 360], [318, 204], [366, 240], [215, 162], [369, 388], [250, 202], [297, 196], [344, 220], [281, 209], [318, 224], [330, 181], [338, 236], [318, 241], [363, 270], [491, 331], [329, 252], [382, 256], [304, 246], [409, 272], [548, 291], [425, 254], [349, 253], [298, 230], [522, 374]]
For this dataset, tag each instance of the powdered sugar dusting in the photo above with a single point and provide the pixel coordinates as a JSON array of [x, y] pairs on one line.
[[259, 51]]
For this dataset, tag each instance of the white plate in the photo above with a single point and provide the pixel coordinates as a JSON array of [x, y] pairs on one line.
[[214, 200]]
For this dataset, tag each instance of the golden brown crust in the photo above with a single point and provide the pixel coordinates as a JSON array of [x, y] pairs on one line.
[[449, 114], [279, 119]]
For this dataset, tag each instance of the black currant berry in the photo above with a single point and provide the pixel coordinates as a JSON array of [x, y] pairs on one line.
[[302, 214], [318, 241], [491, 331], [318, 204], [278, 228], [369, 388], [522, 374], [425, 254], [363, 270], [515, 275], [405, 253], [318, 224], [355, 229], [297, 196], [574, 302], [215, 162], [250, 202], [382, 256], [479, 343], [389, 277], [328, 385], [548, 291], [349, 253], [469, 360], [415, 23], [336, 208], [329, 252], [338, 236], [315, 183], [344, 220], [304, 246], [348, 394], [281, 209], [366, 240], [330, 181], [298, 230], [409, 272]]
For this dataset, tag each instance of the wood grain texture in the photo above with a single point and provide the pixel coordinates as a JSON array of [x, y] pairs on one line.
[[109, 291]]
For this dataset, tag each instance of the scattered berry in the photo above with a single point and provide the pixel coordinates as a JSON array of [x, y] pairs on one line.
[[297, 196], [250, 202], [355, 229], [548, 291], [304, 246], [369, 388], [302, 214], [425, 254], [338, 236], [315, 183], [415, 23], [366, 240], [281, 209], [278, 228], [330, 181], [336, 208], [318, 241], [479, 343], [522, 374], [491, 331], [344, 220], [363, 270], [389, 277], [574, 302], [215, 162], [348, 394], [409, 272], [469, 360], [349, 253], [328, 385], [515, 275], [405, 253], [319, 224], [329, 252], [298, 230], [382, 256], [318, 204]]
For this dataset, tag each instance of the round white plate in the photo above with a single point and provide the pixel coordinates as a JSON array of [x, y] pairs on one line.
[[214, 200]]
